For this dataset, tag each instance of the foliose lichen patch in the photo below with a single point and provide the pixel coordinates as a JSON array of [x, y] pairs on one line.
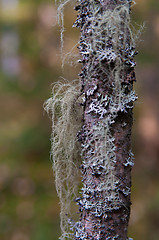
[[107, 48]]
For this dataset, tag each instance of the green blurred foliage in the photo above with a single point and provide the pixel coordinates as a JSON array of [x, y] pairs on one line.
[[29, 64]]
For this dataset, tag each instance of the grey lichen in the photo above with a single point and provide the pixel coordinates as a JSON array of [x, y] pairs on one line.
[[130, 160]]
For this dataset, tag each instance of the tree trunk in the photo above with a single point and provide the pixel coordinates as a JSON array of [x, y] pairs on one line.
[[107, 51]]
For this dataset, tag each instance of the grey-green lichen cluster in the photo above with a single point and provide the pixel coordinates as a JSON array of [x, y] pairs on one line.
[[66, 111], [107, 48]]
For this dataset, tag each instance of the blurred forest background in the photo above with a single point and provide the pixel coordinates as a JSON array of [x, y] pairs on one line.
[[29, 64]]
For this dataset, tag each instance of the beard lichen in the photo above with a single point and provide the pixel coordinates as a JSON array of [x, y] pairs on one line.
[[107, 47], [65, 108]]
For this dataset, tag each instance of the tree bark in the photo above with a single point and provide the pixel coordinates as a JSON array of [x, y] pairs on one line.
[[107, 78]]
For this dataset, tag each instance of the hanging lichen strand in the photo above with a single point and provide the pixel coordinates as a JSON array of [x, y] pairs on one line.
[[107, 50], [66, 111]]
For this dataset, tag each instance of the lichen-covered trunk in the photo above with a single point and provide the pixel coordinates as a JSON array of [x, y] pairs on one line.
[[107, 51]]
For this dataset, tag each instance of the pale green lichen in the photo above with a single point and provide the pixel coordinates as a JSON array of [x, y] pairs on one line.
[[60, 17], [66, 113]]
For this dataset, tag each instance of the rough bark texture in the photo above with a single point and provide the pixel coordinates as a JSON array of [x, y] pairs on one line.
[[107, 81]]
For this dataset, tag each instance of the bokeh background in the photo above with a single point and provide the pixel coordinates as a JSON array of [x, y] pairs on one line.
[[29, 63]]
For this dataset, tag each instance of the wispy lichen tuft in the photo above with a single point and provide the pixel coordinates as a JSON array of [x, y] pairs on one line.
[[65, 109]]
